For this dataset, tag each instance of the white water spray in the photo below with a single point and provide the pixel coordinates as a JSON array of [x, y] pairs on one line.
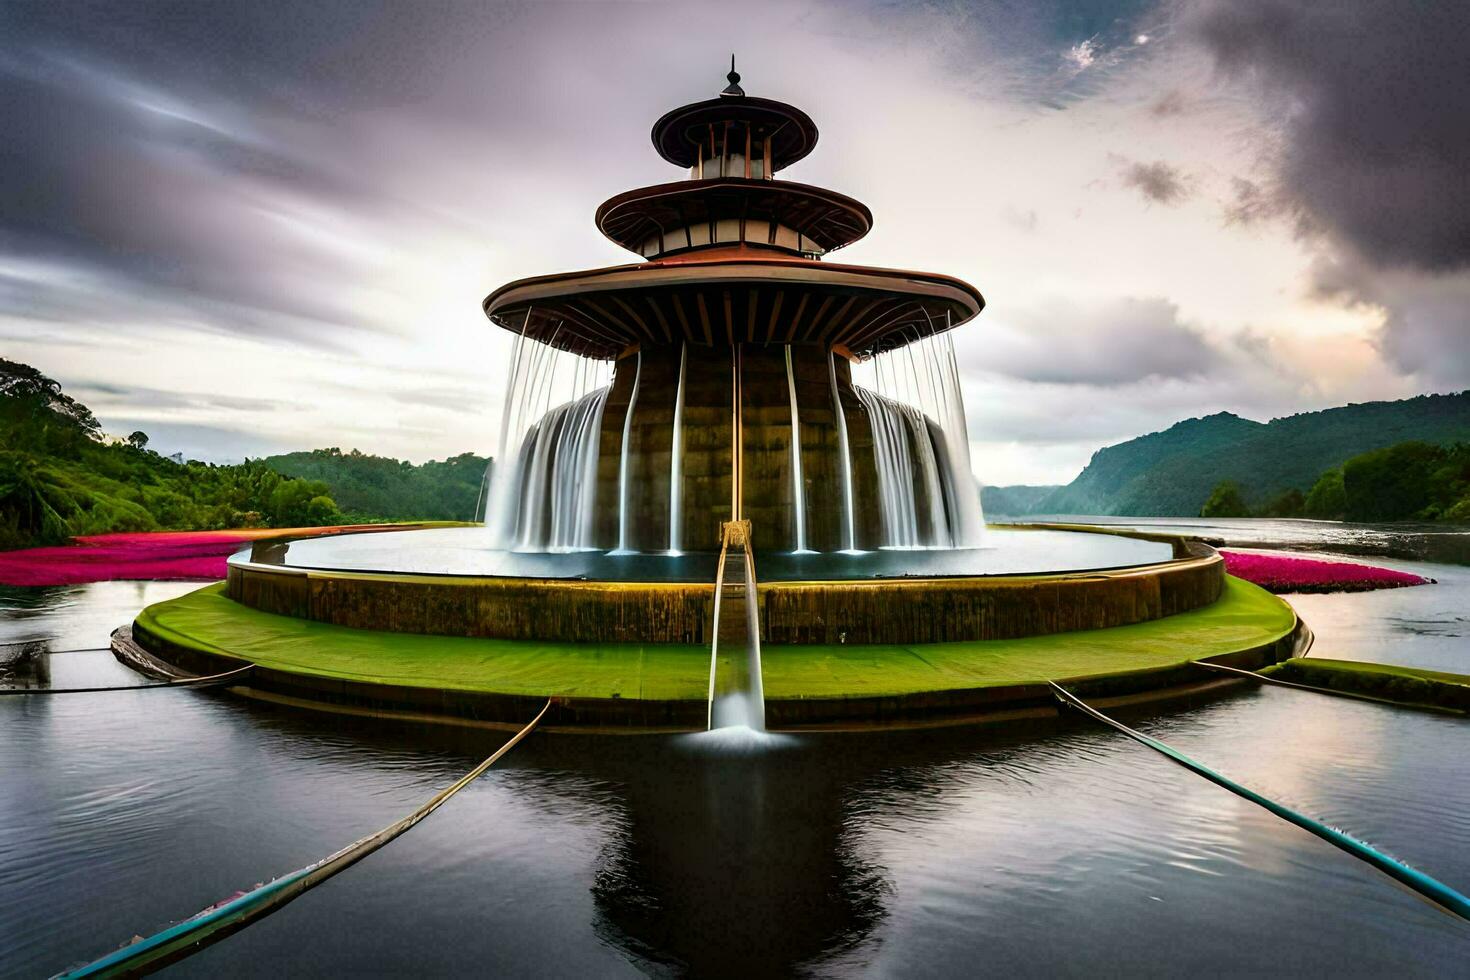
[[849, 535], [558, 477], [798, 485], [623, 514], [921, 446]]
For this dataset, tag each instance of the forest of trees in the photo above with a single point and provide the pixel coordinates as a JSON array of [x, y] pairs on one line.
[[1410, 481], [362, 484], [60, 477]]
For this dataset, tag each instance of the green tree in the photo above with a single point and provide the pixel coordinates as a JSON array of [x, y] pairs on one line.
[[1288, 504], [1225, 500], [32, 508], [138, 440], [1392, 484], [36, 414], [1459, 512], [1327, 499], [289, 503], [321, 510]]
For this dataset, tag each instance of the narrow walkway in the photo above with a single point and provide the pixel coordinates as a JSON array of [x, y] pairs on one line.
[[1439, 893], [218, 921]]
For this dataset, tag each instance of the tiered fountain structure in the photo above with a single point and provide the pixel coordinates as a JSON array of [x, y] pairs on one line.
[[733, 349], [733, 403]]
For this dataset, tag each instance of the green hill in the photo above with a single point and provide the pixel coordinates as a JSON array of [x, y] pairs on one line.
[[446, 490], [60, 476], [1170, 473]]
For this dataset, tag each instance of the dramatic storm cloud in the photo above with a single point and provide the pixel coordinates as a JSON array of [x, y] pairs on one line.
[[1375, 99], [1372, 103], [263, 226]]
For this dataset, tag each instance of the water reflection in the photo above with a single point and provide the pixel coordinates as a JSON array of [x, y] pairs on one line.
[[25, 665], [733, 864], [1064, 850]]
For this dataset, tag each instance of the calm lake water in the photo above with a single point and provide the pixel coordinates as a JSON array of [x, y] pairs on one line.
[[1070, 851]]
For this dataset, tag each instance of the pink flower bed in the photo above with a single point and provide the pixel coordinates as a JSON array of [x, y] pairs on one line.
[[160, 555], [1282, 573]]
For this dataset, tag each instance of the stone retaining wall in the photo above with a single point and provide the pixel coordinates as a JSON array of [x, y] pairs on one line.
[[863, 611]]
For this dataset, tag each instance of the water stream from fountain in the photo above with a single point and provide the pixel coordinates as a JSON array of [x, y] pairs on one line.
[[928, 497], [798, 485], [541, 493], [542, 488], [623, 514], [849, 535], [676, 462]]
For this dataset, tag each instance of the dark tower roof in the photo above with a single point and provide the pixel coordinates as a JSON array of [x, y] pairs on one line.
[[734, 257], [679, 133], [826, 219]]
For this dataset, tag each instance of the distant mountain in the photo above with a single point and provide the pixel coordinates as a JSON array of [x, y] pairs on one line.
[[1015, 500], [1171, 473], [361, 483]]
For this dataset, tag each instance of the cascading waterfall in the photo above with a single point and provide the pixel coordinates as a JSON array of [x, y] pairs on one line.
[[921, 446], [623, 515], [971, 516], [798, 485], [482, 499], [558, 486], [676, 461], [904, 451], [542, 487], [849, 535]]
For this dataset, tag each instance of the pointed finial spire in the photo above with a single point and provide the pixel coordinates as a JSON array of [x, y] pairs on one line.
[[733, 89]]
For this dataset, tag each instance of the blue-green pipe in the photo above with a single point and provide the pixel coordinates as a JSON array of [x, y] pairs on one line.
[[1436, 891], [219, 921]]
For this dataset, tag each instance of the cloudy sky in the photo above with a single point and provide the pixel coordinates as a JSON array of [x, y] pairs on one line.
[[256, 227]]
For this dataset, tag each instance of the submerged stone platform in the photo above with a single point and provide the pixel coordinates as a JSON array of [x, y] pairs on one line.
[[632, 687]]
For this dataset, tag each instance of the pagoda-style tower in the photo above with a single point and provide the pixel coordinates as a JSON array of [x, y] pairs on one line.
[[734, 328]]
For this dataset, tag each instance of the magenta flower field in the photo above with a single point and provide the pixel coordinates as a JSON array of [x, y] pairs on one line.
[[156, 555], [1284, 573]]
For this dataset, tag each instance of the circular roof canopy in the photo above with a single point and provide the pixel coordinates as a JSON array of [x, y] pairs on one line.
[[679, 133], [743, 298], [829, 219]]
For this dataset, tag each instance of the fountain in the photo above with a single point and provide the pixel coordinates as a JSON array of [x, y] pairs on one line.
[[732, 403]]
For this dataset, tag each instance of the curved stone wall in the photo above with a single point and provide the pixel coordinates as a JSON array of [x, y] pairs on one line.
[[863, 611]]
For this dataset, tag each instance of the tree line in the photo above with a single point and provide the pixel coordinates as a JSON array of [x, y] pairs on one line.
[[60, 476], [1410, 481]]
